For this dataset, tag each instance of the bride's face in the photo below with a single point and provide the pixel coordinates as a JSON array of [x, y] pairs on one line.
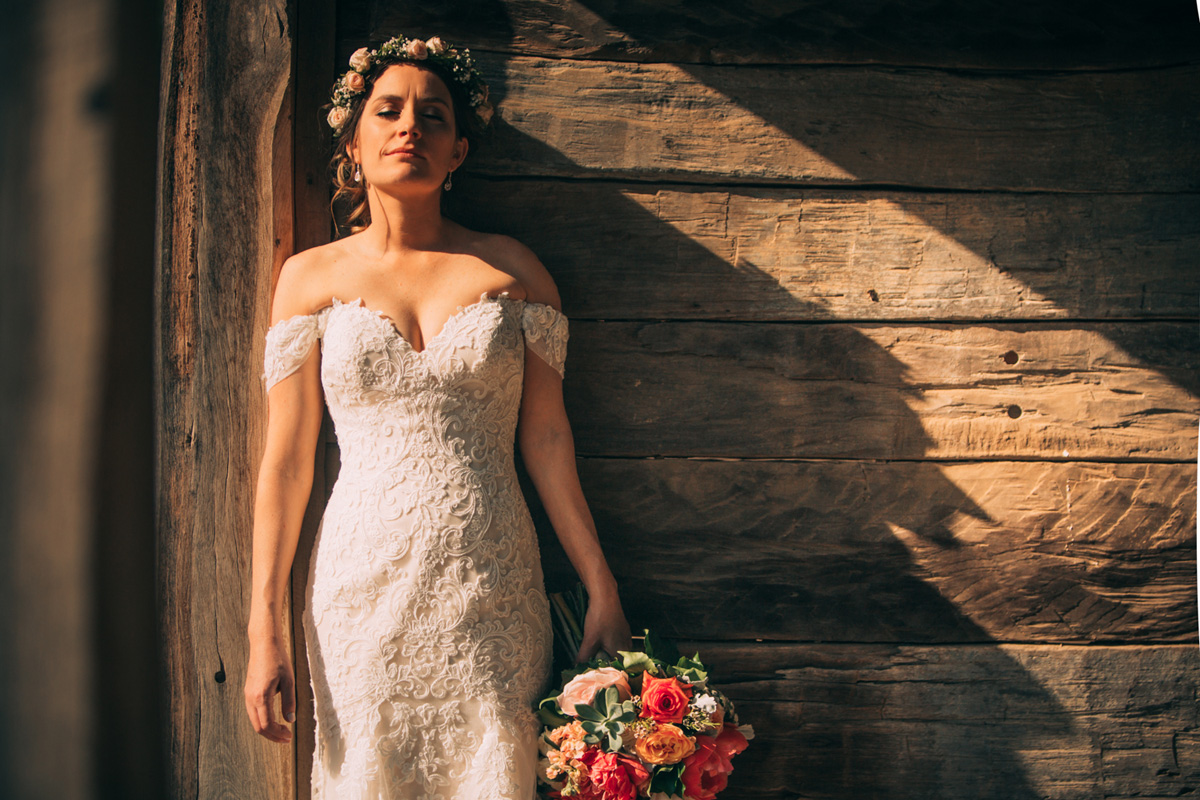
[[407, 138]]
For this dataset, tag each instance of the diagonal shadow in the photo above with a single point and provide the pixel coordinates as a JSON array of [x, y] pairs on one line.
[[844, 565]]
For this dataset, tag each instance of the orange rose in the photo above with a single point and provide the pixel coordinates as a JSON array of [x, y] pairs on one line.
[[666, 744], [581, 689], [664, 699]]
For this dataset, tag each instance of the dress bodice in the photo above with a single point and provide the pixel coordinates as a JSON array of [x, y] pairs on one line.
[[386, 398]]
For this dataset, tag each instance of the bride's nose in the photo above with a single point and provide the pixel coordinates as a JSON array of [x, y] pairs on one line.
[[408, 122]]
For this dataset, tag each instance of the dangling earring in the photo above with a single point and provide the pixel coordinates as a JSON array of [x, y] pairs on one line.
[[357, 174], [447, 184]]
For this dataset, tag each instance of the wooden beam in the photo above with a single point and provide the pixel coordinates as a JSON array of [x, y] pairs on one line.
[[1109, 391], [223, 97], [988, 34], [984, 721], [628, 251], [854, 551], [846, 126]]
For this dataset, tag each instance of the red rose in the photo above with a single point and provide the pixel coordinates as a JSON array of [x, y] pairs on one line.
[[706, 771], [664, 699], [615, 775]]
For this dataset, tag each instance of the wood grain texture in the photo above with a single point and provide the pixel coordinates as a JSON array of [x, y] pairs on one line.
[[862, 551], [224, 84], [990, 721], [1073, 390], [983, 34], [628, 251], [847, 126]]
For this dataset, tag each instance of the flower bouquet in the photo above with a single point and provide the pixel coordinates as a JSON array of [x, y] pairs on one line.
[[643, 724]]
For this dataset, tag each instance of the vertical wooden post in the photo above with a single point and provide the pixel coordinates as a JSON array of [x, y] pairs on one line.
[[226, 72]]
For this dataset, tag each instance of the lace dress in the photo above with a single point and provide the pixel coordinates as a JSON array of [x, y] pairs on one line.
[[426, 614]]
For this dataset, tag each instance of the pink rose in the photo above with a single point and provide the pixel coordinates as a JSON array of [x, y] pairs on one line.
[[416, 49], [616, 775], [337, 115], [361, 60], [354, 81], [436, 45], [582, 689]]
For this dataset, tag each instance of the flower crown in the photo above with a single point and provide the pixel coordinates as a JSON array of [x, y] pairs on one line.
[[457, 63]]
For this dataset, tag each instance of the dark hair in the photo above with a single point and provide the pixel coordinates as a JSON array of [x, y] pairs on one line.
[[352, 195]]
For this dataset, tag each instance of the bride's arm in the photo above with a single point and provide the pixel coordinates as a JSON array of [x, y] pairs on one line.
[[295, 410], [548, 451]]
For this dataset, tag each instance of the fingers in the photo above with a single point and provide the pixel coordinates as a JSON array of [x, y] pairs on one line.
[[586, 648], [287, 701], [260, 705]]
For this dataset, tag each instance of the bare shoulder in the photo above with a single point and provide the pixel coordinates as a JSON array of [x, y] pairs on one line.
[[516, 259], [302, 281]]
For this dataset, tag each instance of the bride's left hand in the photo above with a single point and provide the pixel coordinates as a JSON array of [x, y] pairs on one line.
[[604, 628]]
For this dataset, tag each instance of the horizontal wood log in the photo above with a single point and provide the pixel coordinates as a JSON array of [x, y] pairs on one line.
[[982, 34], [1099, 132], [895, 552], [629, 251], [1055, 390], [986, 721]]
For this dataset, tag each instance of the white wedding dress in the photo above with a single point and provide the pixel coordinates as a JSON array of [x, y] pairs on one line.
[[426, 614]]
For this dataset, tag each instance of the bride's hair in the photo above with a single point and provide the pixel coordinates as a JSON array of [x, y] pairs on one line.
[[351, 194]]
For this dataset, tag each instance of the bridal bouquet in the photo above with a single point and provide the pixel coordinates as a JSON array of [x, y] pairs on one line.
[[643, 724]]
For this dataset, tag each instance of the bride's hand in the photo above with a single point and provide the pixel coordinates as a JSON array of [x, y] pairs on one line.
[[604, 628], [270, 673]]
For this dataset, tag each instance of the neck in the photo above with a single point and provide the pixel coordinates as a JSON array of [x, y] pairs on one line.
[[405, 223]]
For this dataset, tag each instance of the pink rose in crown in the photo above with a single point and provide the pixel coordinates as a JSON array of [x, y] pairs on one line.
[[354, 81], [417, 49], [706, 772], [582, 689], [615, 775]]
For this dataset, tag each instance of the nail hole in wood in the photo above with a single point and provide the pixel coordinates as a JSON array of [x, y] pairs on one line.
[[1014, 411], [1010, 357]]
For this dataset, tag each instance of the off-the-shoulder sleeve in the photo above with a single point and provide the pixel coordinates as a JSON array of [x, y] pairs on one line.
[[289, 344], [546, 334]]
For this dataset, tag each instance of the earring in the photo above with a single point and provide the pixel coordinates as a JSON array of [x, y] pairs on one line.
[[357, 174], [447, 184]]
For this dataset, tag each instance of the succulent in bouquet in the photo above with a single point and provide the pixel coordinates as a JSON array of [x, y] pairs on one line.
[[643, 724]]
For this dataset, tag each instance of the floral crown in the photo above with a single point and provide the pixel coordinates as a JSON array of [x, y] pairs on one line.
[[457, 63]]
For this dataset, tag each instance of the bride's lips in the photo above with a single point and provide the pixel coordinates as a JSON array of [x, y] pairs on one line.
[[404, 153]]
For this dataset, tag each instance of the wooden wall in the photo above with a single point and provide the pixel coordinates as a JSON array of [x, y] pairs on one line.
[[883, 368]]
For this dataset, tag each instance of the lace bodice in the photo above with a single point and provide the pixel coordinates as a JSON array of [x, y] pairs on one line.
[[426, 616]]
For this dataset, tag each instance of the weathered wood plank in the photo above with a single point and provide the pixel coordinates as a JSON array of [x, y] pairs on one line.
[[768, 254], [221, 108], [1058, 390], [985, 721], [895, 552], [934, 32], [1097, 132]]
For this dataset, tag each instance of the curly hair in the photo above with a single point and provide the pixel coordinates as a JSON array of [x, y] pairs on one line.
[[351, 194]]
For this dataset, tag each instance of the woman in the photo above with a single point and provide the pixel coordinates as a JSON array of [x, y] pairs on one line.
[[426, 619]]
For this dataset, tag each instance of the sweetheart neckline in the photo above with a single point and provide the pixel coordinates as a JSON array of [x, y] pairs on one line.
[[458, 312]]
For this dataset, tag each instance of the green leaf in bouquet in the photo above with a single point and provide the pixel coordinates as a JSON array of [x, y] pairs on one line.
[[635, 662], [550, 714], [692, 669], [588, 713], [660, 649], [668, 780]]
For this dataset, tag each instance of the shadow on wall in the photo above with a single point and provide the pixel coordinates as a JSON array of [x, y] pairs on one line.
[[831, 551]]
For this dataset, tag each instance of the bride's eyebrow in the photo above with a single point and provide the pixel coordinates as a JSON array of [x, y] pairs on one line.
[[387, 98]]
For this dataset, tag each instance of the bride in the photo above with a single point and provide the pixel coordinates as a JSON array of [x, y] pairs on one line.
[[437, 349]]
